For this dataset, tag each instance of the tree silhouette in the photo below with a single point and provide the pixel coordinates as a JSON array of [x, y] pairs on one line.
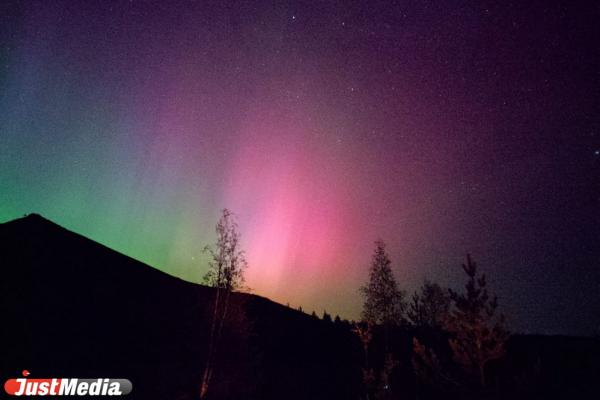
[[226, 273], [383, 305], [383, 301], [228, 261], [478, 333], [364, 331], [429, 307]]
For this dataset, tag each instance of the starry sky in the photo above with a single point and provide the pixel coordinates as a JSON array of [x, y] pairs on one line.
[[441, 127]]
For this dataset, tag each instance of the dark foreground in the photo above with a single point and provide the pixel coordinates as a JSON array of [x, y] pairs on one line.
[[74, 308]]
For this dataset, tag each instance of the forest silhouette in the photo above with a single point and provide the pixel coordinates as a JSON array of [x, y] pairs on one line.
[[75, 308]]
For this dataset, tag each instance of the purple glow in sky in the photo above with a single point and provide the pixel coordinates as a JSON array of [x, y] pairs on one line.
[[440, 128]]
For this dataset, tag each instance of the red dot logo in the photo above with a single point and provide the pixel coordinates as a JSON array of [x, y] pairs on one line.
[[25, 372]]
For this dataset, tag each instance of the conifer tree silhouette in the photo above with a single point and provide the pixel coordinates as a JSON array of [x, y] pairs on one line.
[[383, 301], [478, 334]]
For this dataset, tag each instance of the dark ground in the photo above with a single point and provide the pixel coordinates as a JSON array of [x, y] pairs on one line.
[[74, 308]]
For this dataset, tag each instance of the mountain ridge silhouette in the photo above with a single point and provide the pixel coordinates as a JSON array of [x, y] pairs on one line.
[[76, 308]]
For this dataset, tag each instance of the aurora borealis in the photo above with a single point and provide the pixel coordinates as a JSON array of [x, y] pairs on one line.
[[442, 129]]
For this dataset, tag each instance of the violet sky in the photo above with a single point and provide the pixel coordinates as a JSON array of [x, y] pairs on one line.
[[441, 127]]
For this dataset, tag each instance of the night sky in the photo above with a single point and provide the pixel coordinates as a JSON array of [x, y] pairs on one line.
[[441, 127]]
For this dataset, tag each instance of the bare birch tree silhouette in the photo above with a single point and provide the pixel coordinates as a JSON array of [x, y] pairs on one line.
[[226, 274]]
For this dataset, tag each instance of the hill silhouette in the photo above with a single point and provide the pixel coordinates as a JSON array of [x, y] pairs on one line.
[[74, 308]]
